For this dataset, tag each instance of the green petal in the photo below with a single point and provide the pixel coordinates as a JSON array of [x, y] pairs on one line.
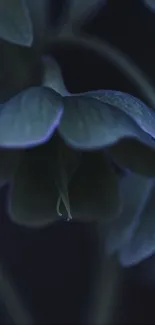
[[34, 196], [15, 22], [134, 156], [9, 162], [93, 190]]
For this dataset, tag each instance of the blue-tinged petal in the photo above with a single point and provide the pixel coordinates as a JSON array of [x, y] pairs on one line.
[[89, 123], [52, 76], [9, 162], [134, 192], [143, 115], [15, 22], [150, 4], [34, 195], [142, 243], [30, 118], [134, 156]]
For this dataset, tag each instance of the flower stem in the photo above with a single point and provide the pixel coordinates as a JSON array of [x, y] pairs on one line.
[[111, 54]]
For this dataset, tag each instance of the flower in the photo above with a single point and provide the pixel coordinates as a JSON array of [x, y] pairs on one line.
[[59, 151]]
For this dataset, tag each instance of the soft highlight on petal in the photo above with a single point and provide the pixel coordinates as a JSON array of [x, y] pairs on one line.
[[15, 22], [89, 123], [30, 118], [132, 106]]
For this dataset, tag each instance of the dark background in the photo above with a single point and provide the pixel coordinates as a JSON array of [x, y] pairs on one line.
[[54, 268]]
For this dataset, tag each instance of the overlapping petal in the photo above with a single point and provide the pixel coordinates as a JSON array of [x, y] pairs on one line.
[[93, 190], [33, 197], [142, 242], [134, 192], [90, 123], [15, 22], [30, 118], [134, 156]]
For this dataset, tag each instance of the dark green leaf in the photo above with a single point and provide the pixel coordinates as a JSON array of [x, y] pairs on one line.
[[29, 118], [15, 22]]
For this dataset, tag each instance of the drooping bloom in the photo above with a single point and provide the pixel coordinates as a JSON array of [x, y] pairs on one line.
[[58, 152]]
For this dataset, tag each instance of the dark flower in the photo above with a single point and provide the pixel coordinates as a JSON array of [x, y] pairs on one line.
[[58, 150]]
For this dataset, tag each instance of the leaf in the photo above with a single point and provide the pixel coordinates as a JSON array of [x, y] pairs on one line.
[[150, 4], [33, 197], [134, 193], [52, 77], [89, 123], [29, 118], [143, 115], [93, 190], [134, 156], [142, 242], [9, 162], [15, 22]]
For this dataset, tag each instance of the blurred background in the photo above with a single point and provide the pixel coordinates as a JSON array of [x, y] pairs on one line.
[[61, 272]]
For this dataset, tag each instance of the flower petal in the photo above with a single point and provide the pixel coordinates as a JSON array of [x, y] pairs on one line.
[[134, 191], [15, 22], [30, 118], [33, 197], [150, 4], [9, 162], [93, 190], [142, 242], [52, 77], [89, 123], [143, 115], [135, 156]]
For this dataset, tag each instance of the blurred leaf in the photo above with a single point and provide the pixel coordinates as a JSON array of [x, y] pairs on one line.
[[134, 156], [15, 22], [30, 118], [34, 195], [9, 161], [89, 123], [93, 190], [134, 193], [52, 77], [142, 243]]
